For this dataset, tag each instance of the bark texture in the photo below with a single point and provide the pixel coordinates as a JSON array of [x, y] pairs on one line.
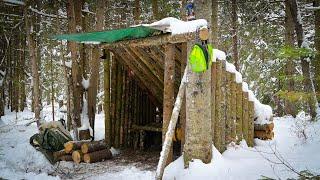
[[198, 141], [289, 69]]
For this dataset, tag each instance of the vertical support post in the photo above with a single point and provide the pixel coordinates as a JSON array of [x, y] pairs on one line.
[[233, 90], [213, 100], [245, 116], [228, 108], [223, 106], [218, 114], [251, 124], [198, 142], [107, 122], [113, 98], [168, 91], [239, 112], [184, 60]]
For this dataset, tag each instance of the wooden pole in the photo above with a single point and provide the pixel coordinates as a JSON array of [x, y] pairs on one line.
[[251, 124], [184, 59], [213, 99], [233, 107], [118, 107], [166, 146], [106, 104], [223, 106], [113, 97], [239, 112], [168, 92], [228, 108], [245, 115], [218, 114]]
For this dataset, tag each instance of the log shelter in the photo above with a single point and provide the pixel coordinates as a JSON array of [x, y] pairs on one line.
[[146, 66]]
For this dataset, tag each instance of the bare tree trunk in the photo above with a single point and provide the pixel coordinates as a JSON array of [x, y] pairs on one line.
[[289, 41], [137, 12], [95, 64], [155, 9], [305, 63], [316, 3], [35, 69], [234, 23], [198, 142], [75, 89]]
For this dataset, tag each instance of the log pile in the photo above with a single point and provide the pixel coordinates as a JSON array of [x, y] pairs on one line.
[[264, 131], [84, 151]]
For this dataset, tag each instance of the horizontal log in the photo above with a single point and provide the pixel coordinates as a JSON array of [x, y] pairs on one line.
[[264, 127], [93, 146], [97, 156], [264, 135], [65, 158], [147, 128], [154, 40]]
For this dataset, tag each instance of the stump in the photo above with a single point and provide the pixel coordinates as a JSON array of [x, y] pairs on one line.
[[97, 156]]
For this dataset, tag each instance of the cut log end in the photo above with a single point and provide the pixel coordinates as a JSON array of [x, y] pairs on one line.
[[77, 156], [84, 148], [68, 147], [86, 158]]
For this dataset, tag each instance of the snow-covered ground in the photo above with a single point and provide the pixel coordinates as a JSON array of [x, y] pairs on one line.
[[296, 142]]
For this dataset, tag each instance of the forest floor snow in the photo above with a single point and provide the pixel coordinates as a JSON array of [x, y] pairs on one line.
[[296, 142]]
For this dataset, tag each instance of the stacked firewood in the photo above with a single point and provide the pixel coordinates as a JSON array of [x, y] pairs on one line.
[[264, 131], [84, 151]]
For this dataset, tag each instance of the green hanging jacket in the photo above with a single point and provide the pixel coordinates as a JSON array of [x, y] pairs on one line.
[[200, 58]]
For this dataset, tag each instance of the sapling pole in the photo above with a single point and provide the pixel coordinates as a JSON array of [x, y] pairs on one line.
[[166, 146]]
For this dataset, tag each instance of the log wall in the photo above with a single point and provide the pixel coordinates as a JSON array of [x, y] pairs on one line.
[[142, 85]]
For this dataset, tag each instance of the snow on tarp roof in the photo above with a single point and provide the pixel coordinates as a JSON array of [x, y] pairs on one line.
[[166, 25]]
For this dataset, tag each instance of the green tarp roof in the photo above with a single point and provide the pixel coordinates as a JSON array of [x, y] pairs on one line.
[[110, 36]]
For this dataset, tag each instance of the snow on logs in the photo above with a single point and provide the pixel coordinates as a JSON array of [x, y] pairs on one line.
[[84, 151], [252, 118]]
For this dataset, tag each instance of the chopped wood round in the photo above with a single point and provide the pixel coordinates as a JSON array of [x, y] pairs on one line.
[[77, 156]]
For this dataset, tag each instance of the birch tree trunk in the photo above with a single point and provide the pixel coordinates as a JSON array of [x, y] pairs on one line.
[[198, 140]]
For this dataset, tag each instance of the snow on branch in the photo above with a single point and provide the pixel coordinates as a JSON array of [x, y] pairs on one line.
[[45, 14], [15, 2]]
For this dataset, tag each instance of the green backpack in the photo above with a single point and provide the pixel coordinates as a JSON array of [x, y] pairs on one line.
[[200, 58]]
